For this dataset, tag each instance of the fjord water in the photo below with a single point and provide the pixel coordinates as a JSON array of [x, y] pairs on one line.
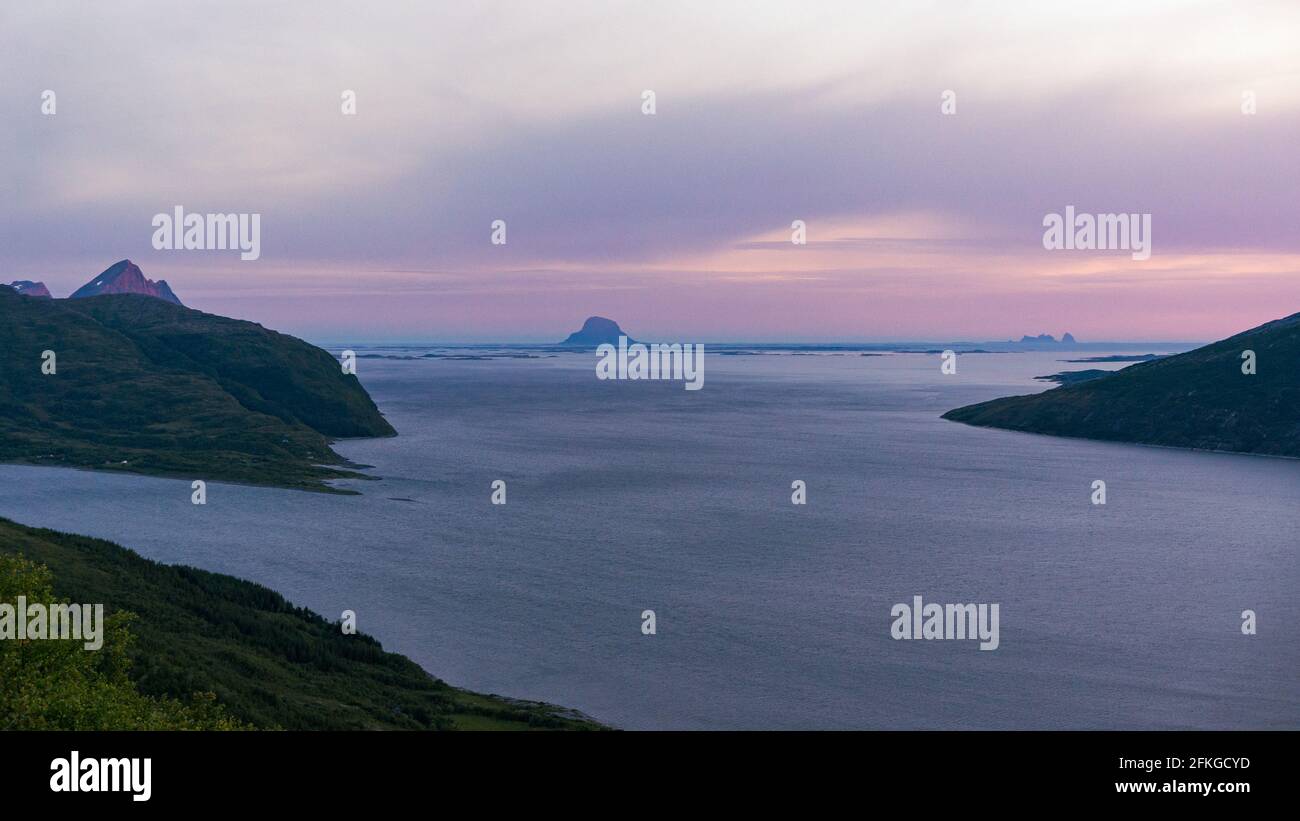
[[627, 496]]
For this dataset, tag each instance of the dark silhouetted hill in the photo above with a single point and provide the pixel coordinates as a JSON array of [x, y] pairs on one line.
[[148, 386], [1198, 399]]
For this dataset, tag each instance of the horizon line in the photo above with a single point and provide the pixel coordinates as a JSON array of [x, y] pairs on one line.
[[769, 343]]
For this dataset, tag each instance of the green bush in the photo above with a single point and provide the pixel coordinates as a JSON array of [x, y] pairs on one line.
[[54, 684]]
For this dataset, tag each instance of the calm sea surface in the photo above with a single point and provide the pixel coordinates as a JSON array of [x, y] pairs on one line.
[[627, 496]]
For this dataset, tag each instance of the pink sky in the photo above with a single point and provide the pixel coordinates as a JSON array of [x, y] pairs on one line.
[[921, 225]]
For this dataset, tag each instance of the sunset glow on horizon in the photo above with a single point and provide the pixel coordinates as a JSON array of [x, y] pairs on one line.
[[921, 224]]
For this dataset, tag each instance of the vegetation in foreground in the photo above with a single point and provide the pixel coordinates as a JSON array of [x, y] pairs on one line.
[[58, 685], [189, 649]]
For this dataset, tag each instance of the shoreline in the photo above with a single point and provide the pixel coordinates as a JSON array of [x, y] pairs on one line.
[[1128, 442], [542, 710]]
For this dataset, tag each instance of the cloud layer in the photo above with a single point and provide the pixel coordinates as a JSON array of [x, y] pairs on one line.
[[919, 224]]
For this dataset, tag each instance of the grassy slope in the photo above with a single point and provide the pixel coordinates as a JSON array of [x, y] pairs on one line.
[[1198, 399], [270, 663], [145, 386]]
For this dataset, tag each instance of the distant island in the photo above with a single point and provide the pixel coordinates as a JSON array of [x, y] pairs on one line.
[[1146, 357], [1044, 341], [1198, 399], [597, 330], [142, 384]]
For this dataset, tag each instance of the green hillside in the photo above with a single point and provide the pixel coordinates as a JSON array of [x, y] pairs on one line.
[[270, 664], [146, 386], [58, 685], [1199, 399]]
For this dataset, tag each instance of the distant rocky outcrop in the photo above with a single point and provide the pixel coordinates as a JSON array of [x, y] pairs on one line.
[[125, 277], [28, 288], [1045, 341], [597, 330], [1240, 395]]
